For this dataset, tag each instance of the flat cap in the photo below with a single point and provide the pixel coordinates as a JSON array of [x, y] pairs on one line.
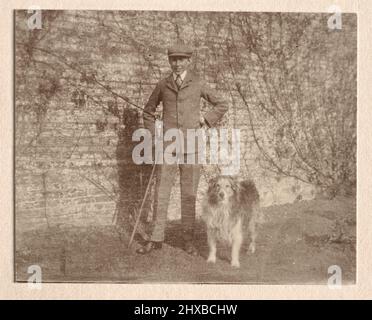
[[180, 50]]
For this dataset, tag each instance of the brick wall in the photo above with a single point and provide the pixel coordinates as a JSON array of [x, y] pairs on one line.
[[72, 143]]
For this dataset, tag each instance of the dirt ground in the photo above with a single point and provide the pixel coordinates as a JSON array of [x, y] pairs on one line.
[[296, 245]]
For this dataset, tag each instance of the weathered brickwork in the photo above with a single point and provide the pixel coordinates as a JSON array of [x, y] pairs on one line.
[[72, 143]]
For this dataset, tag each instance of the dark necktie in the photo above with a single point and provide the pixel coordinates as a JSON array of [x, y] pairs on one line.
[[178, 81]]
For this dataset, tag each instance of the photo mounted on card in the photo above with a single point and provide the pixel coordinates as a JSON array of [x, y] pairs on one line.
[[185, 147]]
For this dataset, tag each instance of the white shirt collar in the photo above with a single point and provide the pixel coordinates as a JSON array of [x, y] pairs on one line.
[[183, 75]]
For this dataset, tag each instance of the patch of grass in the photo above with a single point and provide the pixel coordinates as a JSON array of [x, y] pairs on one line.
[[296, 244]]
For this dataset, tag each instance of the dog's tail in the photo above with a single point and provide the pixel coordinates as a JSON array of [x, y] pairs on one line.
[[248, 192], [250, 196]]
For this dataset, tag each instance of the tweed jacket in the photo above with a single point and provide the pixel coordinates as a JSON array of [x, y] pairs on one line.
[[181, 107]]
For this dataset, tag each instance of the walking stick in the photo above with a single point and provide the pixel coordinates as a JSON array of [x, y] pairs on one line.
[[142, 204], [144, 199]]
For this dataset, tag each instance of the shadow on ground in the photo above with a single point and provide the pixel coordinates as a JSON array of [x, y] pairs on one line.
[[296, 244]]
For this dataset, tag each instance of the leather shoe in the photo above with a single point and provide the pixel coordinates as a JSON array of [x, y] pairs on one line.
[[149, 246], [190, 249]]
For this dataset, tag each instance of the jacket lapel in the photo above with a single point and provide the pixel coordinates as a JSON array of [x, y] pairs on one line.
[[187, 80], [171, 84]]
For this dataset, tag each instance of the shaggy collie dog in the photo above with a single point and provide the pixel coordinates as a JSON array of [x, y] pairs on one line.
[[231, 211]]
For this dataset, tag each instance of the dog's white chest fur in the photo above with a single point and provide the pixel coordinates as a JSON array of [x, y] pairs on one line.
[[220, 222]]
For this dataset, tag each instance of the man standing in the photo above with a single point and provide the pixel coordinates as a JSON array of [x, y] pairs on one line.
[[180, 95]]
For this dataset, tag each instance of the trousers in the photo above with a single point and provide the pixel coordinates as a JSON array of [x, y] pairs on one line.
[[189, 181]]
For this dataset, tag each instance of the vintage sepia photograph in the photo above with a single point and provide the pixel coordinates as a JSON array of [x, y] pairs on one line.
[[185, 147]]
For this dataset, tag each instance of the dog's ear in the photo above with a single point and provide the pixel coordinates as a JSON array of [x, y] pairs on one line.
[[235, 186], [212, 183]]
